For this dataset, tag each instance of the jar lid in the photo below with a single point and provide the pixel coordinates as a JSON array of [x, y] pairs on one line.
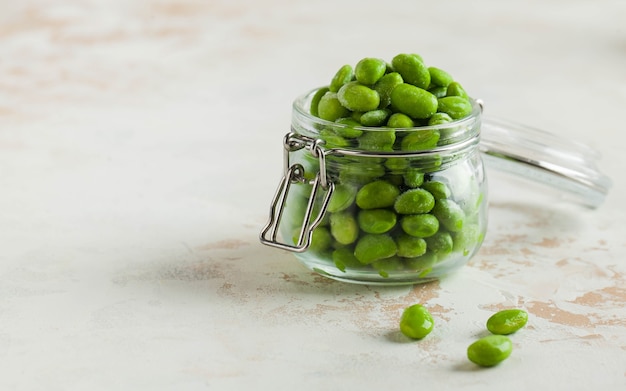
[[534, 154]]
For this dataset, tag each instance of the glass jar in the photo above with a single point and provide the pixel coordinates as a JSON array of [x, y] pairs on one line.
[[400, 206]]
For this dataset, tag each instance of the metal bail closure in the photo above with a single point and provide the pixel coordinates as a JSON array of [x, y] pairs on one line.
[[293, 174]]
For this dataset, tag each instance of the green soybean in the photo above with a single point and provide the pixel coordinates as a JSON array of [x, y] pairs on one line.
[[439, 118], [357, 97], [414, 201], [420, 140], [343, 258], [385, 85], [440, 243], [489, 351], [344, 227], [455, 106], [315, 100], [455, 89], [374, 247], [449, 214], [375, 117], [377, 140], [343, 76], [422, 263], [399, 120], [361, 172], [386, 265], [438, 91], [321, 239], [348, 128], [439, 77], [377, 194], [421, 226], [410, 246], [332, 139], [397, 165], [413, 101], [343, 197], [330, 108], [417, 56], [507, 321], [416, 322], [412, 70], [413, 177], [370, 70], [438, 189], [467, 239], [376, 221]]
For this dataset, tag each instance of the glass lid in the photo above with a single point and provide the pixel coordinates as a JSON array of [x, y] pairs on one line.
[[543, 157]]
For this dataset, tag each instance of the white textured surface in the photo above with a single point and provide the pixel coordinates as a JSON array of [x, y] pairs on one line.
[[139, 149]]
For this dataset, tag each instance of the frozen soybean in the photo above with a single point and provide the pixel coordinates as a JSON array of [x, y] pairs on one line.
[[373, 247], [412, 70], [414, 201], [420, 226], [370, 70], [449, 214], [507, 321], [344, 227], [377, 194], [357, 97], [489, 351], [416, 322], [413, 101], [376, 221], [343, 76]]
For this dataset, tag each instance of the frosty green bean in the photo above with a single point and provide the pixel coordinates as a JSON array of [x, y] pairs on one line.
[[421, 226], [330, 108], [377, 194], [373, 247], [385, 85], [410, 246], [370, 70], [414, 201], [357, 97], [413, 101], [342, 198], [455, 106], [344, 227], [416, 322], [489, 351], [507, 321], [412, 70], [343, 76], [450, 214], [376, 221]]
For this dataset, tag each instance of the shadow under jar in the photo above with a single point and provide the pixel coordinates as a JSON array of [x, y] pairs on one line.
[[378, 205]]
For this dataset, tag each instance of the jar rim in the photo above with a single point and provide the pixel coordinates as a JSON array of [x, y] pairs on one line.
[[301, 107]]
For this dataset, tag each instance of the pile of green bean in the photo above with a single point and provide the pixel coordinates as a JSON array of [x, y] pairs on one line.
[[390, 214], [403, 94]]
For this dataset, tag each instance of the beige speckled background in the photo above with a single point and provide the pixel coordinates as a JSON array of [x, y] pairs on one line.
[[140, 144]]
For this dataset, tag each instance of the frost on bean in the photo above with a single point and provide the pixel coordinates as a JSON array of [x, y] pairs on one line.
[[357, 97], [374, 247], [412, 70], [490, 351], [413, 101], [416, 322], [507, 321]]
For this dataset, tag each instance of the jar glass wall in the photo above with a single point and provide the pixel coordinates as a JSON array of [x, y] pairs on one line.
[[394, 206]]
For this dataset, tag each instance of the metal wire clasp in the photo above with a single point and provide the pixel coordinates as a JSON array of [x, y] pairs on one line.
[[294, 173]]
